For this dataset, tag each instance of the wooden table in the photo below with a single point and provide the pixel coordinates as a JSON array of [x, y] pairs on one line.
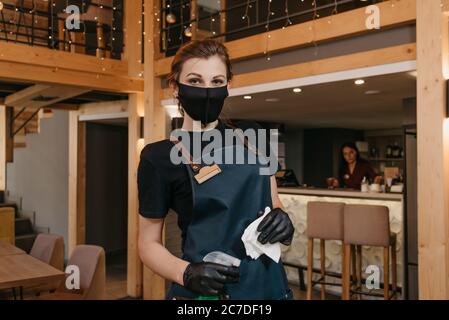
[[22, 270], [7, 249]]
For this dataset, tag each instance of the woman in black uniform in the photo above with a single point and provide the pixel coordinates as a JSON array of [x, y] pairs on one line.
[[214, 214]]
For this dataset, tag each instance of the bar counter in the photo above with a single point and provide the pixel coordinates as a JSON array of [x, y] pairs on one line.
[[295, 202]]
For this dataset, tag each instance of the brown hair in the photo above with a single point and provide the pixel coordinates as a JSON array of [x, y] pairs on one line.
[[199, 49], [203, 49]]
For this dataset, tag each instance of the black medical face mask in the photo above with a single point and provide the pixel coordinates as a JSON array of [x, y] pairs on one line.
[[202, 104]]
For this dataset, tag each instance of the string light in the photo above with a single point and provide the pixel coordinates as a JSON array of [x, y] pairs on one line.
[[171, 18], [211, 25], [167, 19], [315, 16], [287, 14], [246, 16], [334, 11], [83, 10], [188, 31], [267, 27], [181, 33], [112, 37]]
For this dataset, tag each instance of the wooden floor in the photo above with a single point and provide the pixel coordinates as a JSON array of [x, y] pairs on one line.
[[116, 288], [116, 278], [116, 283]]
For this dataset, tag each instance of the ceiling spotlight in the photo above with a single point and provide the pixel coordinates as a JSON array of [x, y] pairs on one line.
[[369, 92], [247, 97], [297, 90], [359, 82]]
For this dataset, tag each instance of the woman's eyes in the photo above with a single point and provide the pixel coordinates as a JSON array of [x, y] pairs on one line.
[[195, 81], [218, 82]]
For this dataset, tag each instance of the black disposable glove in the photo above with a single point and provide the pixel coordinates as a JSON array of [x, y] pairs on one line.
[[208, 279], [276, 227]]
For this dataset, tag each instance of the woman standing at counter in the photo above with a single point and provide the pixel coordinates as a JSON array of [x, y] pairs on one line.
[[353, 168]]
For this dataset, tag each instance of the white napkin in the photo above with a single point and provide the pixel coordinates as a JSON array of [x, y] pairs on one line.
[[254, 248]]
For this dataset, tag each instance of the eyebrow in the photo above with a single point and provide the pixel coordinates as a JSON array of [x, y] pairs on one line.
[[200, 76]]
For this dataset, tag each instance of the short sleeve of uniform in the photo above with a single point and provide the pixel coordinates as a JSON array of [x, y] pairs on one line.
[[154, 191]]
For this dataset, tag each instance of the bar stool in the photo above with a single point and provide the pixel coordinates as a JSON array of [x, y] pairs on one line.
[[324, 222], [369, 225]]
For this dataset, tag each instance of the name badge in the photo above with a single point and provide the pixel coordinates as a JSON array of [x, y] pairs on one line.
[[206, 173]]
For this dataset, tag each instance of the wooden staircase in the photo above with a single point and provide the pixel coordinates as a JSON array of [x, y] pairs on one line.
[[25, 229], [27, 122], [31, 105]]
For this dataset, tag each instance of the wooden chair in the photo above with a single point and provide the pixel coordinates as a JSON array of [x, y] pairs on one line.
[[324, 222], [7, 225], [368, 225], [48, 248], [91, 263]]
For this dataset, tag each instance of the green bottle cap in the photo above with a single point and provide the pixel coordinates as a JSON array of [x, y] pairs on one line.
[[207, 298]]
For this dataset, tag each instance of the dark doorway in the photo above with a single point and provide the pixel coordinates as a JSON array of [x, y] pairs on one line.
[[107, 195]]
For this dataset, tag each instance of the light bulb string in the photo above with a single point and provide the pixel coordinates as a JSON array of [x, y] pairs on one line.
[[287, 14], [267, 27], [315, 17], [246, 16]]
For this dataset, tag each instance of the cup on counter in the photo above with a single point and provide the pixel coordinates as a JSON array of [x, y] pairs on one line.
[[365, 187], [375, 187], [389, 182]]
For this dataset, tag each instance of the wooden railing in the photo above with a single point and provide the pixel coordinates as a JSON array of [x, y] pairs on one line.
[[227, 20], [43, 23]]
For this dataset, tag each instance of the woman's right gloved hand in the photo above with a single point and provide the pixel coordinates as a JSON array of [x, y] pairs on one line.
[[208, 279]]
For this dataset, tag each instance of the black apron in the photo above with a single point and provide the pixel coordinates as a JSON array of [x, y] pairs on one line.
[[223, 207]]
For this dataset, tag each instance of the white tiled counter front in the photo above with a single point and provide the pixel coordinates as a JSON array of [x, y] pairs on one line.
[[295, 203]]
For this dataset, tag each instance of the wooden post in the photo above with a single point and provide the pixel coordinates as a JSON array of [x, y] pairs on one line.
[[101, 42], [433, 150], [222, 18], [61, 35], [155, 124], [77, 39], [135, 145], [133, 33], [73, 190], [3, 133], [77, 182], [81, 183], [9, 139], [193, 16]]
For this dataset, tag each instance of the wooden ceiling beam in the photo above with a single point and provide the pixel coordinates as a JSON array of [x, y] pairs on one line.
[[39, 96], [19, 62]]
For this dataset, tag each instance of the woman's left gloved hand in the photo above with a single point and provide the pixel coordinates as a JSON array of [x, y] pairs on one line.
[[276, 227]]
